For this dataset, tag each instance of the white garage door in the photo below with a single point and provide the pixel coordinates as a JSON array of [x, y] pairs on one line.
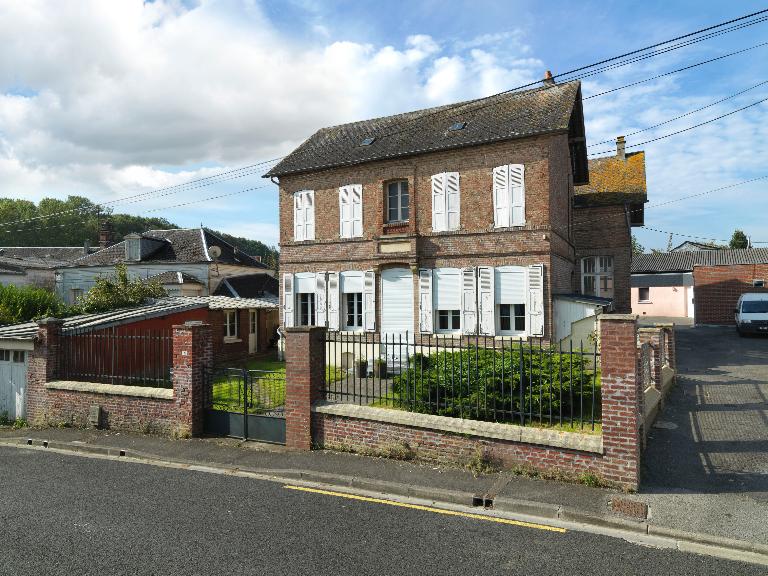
[[13, 383]]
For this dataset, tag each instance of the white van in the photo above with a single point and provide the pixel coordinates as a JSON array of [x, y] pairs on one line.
[[752, 313]]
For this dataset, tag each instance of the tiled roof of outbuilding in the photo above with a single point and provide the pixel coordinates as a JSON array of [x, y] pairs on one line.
[[248, 286], [177, 245], [175, 278], [542, 110], [685, 261]]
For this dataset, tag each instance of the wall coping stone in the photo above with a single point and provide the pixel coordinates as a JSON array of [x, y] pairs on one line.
[[114, 389], [512, 432], [304, 328], [625, 317]]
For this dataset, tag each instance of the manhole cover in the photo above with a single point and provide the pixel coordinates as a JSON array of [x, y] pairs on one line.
[[665, 425]]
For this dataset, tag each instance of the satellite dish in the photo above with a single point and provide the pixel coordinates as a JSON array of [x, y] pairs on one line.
[[214, 252]]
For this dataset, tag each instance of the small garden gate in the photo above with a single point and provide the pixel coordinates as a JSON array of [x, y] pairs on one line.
[[247, 404]]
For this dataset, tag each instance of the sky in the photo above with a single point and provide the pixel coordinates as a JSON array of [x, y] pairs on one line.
[[115, 99]]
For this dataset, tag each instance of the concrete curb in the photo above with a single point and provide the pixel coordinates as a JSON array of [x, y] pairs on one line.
[[685, 541]]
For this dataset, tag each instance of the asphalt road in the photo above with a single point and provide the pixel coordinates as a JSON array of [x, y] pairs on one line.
[[62, 514]]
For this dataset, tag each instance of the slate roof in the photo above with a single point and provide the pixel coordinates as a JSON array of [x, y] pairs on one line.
[[268, 301], [41, 256], [614, 181], [685, 261], [544, 110], [248, 286], [171, 277], [179, 245]]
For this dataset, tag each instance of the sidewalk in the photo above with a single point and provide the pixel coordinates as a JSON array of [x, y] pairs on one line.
[[509, 493]]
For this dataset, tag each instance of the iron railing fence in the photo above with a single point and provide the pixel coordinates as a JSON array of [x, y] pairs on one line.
[[118, 356], [249, 391], [472, 377]]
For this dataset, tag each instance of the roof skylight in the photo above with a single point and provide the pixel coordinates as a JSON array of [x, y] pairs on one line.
[[368, 141], [456, 126]]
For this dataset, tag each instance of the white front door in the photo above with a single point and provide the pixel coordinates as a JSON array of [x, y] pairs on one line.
[[690, 301], [253, 328], [396, 315]]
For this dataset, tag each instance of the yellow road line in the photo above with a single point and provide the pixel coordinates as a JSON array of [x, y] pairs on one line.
[[428, 509]]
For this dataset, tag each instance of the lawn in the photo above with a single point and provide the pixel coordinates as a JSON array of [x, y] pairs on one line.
[[267, 386]]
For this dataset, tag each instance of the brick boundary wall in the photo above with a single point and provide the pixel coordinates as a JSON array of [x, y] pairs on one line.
[[622, 409], [180, 414], [717, 290]]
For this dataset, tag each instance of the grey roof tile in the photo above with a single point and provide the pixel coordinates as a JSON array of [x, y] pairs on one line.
[[685, 261], [507, 116], [248, 286]]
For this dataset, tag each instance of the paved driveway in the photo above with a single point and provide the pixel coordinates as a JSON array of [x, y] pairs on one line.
[[712, 436]]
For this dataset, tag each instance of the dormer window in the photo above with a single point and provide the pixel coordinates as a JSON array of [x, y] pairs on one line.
[[133, 248]]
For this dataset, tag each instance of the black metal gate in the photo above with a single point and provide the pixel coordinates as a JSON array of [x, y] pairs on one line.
[[247, 404]]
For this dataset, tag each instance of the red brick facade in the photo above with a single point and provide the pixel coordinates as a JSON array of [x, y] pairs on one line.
[[622, 413], [179, 415], [546, 237], [716, 290]]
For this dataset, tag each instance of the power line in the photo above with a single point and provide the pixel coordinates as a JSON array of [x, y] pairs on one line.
[[682, 115], [685, 129], [445, 109], [701, 193], [676, 71], [692, 236]]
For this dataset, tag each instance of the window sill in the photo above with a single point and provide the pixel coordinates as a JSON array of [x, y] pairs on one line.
[[645, 301], [447, 335], [231, 340], [507, 337]]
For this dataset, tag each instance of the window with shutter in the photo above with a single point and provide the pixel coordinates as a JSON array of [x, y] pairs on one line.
[[446, 202], [535, 310], [447, 298], [486, 300], [511, 297], [351, 211], [320, 299], [304, 215], [333, 300], [298, 216], [509, 195], [369, 300], [357, 210]]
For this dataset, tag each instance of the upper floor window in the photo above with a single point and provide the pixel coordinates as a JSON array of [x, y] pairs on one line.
[[597, 276], [445, 201], [351, 211], [509, 195], [304, 215], [398, 201]]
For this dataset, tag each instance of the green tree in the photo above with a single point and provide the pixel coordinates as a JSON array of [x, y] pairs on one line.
[[118, 291], [637, 248], [739, 240], [25, 303]]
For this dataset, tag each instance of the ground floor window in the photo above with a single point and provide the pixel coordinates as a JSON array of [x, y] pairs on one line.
[[230, 324], [644, 294], [306, 303], [511, 318], [448, 320], [353, 310]]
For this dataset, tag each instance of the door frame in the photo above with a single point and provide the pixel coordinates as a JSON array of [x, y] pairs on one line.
[[253, 330]]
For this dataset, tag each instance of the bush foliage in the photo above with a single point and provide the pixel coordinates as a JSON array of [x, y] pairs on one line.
[[480, 384], [25, 303], [118, 291]]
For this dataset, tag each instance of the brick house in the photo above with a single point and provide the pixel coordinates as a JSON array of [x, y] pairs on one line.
[[454, 220]]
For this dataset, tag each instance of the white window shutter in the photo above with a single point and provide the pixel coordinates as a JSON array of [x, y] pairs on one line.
[[356, 198], [321, 303], [345, 212], [501, 208], [486, 295], [517, 193], [425, 301], [452, 201], [333, 300], [298, 216], [438, 203], [288, 300], [468, 301], [369, 300], [309, 215], [535, 305]]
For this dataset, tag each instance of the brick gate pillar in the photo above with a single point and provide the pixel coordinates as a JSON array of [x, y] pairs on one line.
[[44, 365], [192, 369], [622, 400], [304, 379]]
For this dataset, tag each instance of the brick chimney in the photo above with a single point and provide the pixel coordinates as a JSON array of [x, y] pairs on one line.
[[620, 153], [106, 233], [548, 78]]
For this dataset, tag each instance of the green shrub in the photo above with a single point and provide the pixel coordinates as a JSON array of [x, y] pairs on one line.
[[118, 291], [25, 303], [480, 383]]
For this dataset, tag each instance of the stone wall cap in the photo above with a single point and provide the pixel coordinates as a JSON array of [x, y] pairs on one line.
[[665, 325], [624, 317], [50, 320], [653, 329]]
